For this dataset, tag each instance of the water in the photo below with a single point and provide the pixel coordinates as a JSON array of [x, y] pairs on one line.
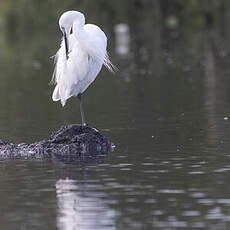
[[166, 110]]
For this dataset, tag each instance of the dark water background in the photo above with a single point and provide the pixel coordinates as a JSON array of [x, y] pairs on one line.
[[166, 109]]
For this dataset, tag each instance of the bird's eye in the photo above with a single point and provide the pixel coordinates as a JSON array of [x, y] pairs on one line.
[[71, 30]]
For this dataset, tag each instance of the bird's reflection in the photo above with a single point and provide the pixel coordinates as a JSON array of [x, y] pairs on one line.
[[81, 207]]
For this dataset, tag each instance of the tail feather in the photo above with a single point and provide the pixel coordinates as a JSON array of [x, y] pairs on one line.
[[108, 64]]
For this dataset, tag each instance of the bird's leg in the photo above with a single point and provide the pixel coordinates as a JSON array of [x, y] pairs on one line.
[[79, 96]]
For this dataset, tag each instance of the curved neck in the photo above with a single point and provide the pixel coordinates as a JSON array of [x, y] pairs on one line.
[[78, 30]]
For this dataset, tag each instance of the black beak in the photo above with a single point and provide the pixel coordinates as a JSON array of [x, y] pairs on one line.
[[66, 45]]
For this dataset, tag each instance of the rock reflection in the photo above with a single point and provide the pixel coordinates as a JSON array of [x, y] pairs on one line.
[[81, 209]]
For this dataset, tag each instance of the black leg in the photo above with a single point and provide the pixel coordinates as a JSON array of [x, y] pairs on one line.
[[79, 96]]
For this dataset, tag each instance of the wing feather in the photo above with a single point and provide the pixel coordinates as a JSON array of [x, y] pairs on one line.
[[96, 45]]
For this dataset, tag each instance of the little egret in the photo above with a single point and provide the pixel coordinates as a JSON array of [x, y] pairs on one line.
[[79, 59]]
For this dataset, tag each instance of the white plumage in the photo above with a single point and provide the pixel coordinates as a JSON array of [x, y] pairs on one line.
[[80, 57]]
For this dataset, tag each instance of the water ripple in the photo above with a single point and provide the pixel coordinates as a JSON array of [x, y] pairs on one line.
[[171, 191], [191, 213]]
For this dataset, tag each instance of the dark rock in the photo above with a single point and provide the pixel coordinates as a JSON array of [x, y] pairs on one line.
[[70, 143]]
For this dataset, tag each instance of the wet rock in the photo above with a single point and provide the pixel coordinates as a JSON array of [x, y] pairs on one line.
[[69, 143]]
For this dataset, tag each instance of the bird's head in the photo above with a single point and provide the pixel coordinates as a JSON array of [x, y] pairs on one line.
[[66, 25]]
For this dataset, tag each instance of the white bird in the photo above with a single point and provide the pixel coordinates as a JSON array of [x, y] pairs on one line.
[[79, 59]]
